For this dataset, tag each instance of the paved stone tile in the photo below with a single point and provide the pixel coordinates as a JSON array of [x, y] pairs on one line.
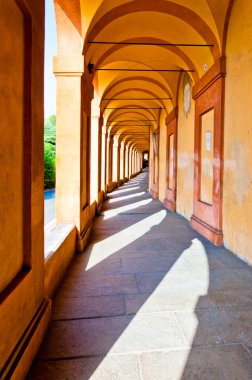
[[109, 266], [92, 285], [230, 278], [175, 280], [98, 336], [147, 243], [219, 326], [146, 289], [87, 307], [231, 298], [226, 257], [165, 301], [207, 363], [116, 367], [150, 264]]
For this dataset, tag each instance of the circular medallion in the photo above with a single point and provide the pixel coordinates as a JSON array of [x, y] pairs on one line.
[[187, 94]]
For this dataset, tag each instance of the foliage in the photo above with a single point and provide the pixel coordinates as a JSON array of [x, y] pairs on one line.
[[50, 130], [49, 152]]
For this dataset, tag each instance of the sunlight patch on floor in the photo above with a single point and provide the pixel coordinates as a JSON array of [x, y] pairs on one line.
[[124, 197], [110, 213], [107, 247], [129, 188]]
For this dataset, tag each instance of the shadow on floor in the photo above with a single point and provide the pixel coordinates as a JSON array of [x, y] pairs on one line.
[[149, 299]]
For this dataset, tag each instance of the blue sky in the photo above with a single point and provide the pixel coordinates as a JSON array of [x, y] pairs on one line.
[[50, 51]]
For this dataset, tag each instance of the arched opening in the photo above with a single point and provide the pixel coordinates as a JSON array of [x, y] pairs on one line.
[[50, 118]]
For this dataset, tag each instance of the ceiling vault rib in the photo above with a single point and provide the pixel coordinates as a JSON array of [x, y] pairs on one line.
[[130, 125], [136, 99], [147, 70], [133, 121], [133, 108], [150, 44]]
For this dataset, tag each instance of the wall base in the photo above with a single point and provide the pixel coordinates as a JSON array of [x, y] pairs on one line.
[[154, 194], [82, 240], [111, 186], [120, 183], [58, 256], [170, 205], [23, 354], [100, 202], [209, 232]]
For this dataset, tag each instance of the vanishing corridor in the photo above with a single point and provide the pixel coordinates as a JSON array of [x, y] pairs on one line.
[[149, 299]]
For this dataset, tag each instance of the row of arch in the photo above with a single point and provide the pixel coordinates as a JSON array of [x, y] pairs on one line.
[[110, 110]]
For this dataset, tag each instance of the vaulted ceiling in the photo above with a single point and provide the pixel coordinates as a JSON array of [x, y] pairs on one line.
[[139, 49]]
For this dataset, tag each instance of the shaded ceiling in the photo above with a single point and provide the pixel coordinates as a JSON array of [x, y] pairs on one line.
[[137, 35]]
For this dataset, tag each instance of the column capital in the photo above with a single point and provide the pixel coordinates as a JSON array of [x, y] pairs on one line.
[[68, 66]]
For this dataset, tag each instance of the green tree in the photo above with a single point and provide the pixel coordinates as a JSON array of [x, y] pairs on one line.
[[50, 130], [49, 152]]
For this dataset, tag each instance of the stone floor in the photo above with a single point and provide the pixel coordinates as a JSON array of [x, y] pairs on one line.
[[149, 299]]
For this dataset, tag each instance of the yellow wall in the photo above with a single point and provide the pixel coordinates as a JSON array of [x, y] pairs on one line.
[[11, 147], [170, 153], [24, 312], [185, 159], [237, 206], [162, 158], [206, 176], [151, 163]]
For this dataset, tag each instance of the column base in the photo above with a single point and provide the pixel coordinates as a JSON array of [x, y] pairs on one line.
[[154, 194], [82, 239], [22, 356], [209, 232], [100, 202], [120, 183], [111, 186], [170, 205]]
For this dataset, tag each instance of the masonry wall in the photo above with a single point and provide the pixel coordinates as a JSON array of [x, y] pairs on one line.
[[185, 158], [162, 159], [237, 195], [24, 313]]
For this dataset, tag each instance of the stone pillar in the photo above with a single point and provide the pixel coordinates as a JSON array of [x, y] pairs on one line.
[[115, 161], [130, 162], [122, 162], [110, 155], [133, 162], [25, 312], [73, 143], [103, 158], [126, 174], [95, 118]]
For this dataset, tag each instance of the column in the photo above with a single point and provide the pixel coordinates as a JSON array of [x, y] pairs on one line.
[[122, 162], [73, 144], [130, 162], [126, 176], [115, 161], [94, 162], [110, 141], [103, 157]]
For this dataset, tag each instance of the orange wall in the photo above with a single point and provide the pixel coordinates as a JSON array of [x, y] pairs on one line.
[[206, 186], [237, 206], [162, 158], [185, 159]]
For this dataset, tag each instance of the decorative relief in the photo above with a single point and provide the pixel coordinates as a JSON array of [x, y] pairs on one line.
[[154, 137], [187, 94]]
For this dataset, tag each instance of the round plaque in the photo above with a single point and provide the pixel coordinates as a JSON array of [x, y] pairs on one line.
[[187, 93]]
